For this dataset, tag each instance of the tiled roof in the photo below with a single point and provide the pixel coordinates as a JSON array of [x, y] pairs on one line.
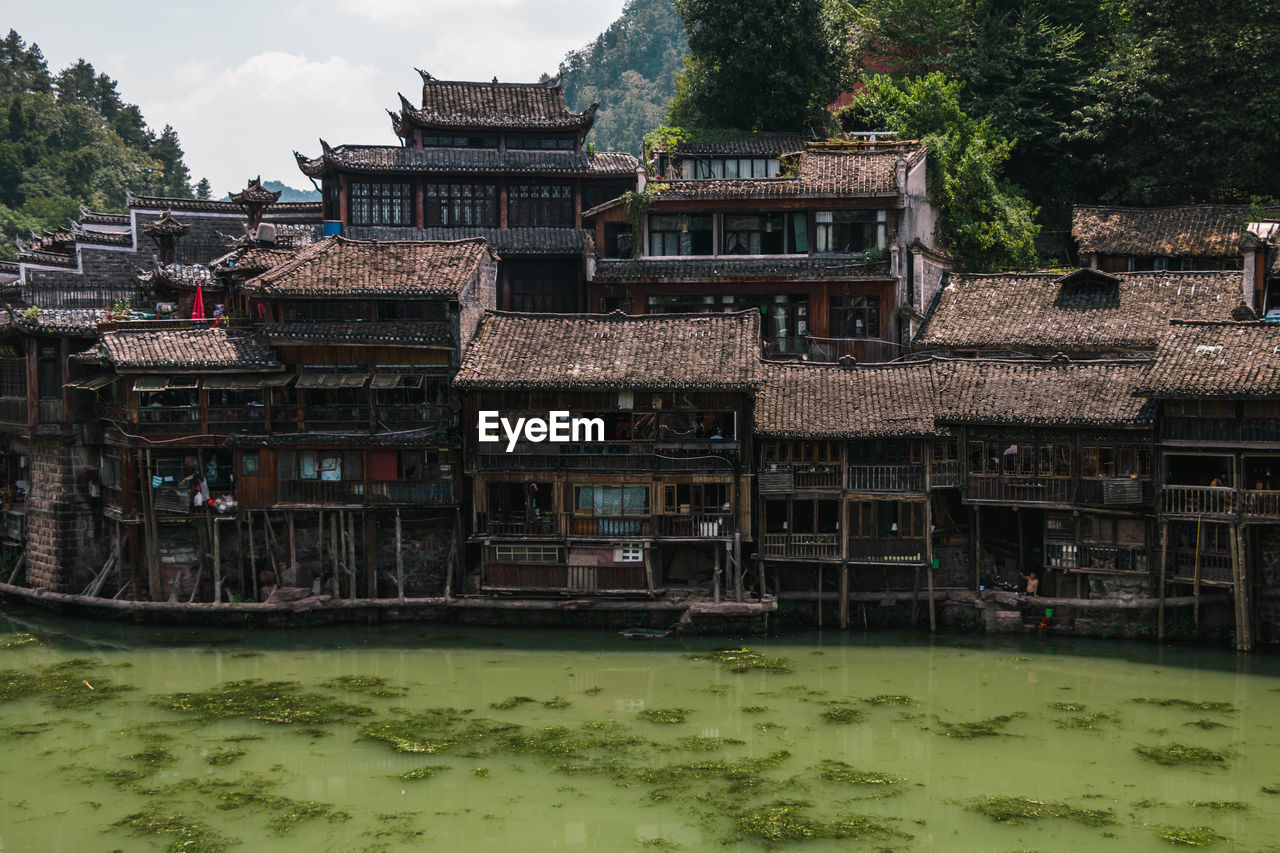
[[445, 161], [195, 349], [294, 209], [823, 401], [92, 217], [1037, 312], [188, 276], [825, 170], [256, 193], [1217, 360], [644, 352], [401, 334], [1053, 392], [504, 241], [61, 321], [165, 226], [254, 259], [47, 259], [758, 145], [103, 238], [337, 266], [454, 103], [1200, 230], [770, 268]]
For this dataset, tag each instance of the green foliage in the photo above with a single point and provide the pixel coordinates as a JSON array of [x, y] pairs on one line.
[[71, 140], [984, 221], [630, 70], [1019, 809], [762, 64], [1176, 753]]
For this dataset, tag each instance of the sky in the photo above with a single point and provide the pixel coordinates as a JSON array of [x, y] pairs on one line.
[[246, 84]]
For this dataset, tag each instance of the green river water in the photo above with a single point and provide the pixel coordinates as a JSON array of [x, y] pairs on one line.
[[339, 740]]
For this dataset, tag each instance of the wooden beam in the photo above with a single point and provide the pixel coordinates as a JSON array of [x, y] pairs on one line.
[[399, 559], [1164, 564]]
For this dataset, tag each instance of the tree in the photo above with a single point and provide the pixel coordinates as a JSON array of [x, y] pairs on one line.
[[175, 180], [762, 64], [203, 190], [1186, 108], [984, 221]]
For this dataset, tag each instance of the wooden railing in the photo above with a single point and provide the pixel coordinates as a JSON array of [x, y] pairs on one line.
[[237, 419], [802, 545], [1018, 489], [612, 527], [887, 550], [322, 492], [695, 525], [519, 524], [886, 478], [1116, 491], [1104, 558], [404, 492], [1198, 500], [784, 479], [705, 456], [1260, 503], [551, 577], [944, 472], [1219, 429], [50, 411], [1211, 566]]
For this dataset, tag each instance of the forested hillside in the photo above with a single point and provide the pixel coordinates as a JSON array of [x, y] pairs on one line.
[[70, 139], [630, 69]]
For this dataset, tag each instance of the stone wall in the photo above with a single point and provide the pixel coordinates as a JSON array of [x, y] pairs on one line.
[[66, 541]]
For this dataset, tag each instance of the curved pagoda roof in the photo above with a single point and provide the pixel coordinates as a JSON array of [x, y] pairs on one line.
[[457, 104]]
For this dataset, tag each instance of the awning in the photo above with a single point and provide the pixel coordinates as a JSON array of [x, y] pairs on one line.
[[332, 380], [150, 383], [221, 382], [92, 383], [275, 380], [397, 380]]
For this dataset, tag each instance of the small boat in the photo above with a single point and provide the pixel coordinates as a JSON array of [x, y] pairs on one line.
[[644, 633]]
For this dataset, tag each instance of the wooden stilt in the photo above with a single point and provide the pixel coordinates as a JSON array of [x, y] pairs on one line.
[[716, 575], [370, 554], [648, 569], [202, 537], [977, 549], [1196, 574], [135, 563], [149, 521], [399, 558], [760, 571], [844, 596], [217, 564], [1240, 584], [928, 562], [335, 520], [119, 556], [737, 565], [292, 569], [819, 595], [1164, 565], [915, 596], [253, 559], [351, 551]]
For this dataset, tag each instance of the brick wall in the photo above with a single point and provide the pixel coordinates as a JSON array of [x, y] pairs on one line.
[[66, 541]]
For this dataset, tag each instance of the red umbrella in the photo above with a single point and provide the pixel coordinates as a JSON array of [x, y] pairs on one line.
[[197, 309]]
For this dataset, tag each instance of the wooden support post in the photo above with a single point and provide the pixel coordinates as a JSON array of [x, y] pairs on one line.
[[135, 567], [399, 558], [977, 549], [202, 555], [1240, 584], [1195, 580], [217, 564], [292, 580], [928, 561], [334, 521], [915, 596], [253, 558], [647, 552], [240, 553], [149, 524], [760, 571], [716, 575], [819, 595], [119, 557], [844, 596], [454, 569], [351, 551], [737, 565], [1164, 564], [370, 554]]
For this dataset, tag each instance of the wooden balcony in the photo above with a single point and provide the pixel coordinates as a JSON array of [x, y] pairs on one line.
[[1198, 500], [812, 546], [1217, 430], [612, 527], [885, 478], [1261, 504], [238, 419], [944, 473], [546, 577], [356, 493], [1116, 491], [519, 524], [695, 525], [1211, 567], [1001, 488], [1087, 557], [672, 457], [785, 479], [888, 551]]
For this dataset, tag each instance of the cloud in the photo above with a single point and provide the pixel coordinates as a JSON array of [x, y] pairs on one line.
[[240, 121], [416, 11]]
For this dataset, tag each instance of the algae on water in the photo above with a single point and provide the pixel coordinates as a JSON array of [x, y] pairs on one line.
[[267, 701], [1019, 809], [186, 835], [744, 660], [782, 821], [1177, 753], [837, 771], [1189, 836]]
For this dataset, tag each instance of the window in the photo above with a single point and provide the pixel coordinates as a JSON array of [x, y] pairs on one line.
[[49, 373], [611, 500], [440, 140], [109, 470], [381, 203], [526, 554], [629, 554], [527, 142], [540, 204], [461, 204], [249, 463], [850, 230], [759, 234], [696, 498], [325, 310], [855, 317], [409, 310], [325, 465], [886, 520], [735, 167], [681, 235], [332, 200]]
